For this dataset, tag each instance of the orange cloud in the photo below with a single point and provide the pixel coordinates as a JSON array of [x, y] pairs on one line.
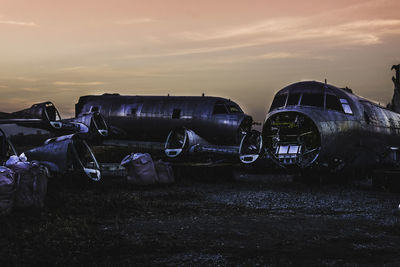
[[18, 23], [78, 83], [134, 21]]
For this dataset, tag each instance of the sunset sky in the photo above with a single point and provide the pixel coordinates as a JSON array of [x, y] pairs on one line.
[[243, 50]]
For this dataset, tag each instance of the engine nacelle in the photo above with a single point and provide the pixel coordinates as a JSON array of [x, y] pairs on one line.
[[251, 147], [182, 141], [94, 123], [67, 153]]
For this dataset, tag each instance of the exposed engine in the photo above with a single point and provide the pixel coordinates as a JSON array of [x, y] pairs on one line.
[[182, 140], [292, 138], [91, 123]]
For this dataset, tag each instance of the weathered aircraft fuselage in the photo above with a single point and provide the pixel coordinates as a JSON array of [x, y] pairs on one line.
[[151, 118], [312, 124]]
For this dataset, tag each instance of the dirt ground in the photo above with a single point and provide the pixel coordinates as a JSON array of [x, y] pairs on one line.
[[256, 220]]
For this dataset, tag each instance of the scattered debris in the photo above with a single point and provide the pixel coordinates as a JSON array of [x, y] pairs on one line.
[[140, 168]]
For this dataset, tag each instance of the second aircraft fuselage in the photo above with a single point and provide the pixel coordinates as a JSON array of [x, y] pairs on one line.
[[151, 118]]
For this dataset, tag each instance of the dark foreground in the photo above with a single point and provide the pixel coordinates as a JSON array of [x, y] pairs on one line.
[[267, 221]]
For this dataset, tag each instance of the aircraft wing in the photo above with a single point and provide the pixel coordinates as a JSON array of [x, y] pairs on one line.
[[196, 153], [22, 121], [30, 123], [160, 146], [135, 145], [183, 144]]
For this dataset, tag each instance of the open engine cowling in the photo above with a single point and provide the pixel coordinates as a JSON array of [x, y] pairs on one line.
[[182, 141], [92, 124], [65, 154], [251, 147]]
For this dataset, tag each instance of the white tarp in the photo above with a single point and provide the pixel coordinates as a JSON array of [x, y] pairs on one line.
[[12, 161]]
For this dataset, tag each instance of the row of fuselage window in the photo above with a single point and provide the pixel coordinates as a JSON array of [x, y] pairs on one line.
[[219, 108], [331, 102]]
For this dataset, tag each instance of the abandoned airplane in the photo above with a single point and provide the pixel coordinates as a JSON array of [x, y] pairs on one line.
[[320, 126], [181, 125], [67, 153], [310, 125]]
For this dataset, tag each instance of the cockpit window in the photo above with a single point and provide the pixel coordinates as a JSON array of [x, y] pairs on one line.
[[293, 99], [234, 109], [279, 101], [314, 100], [220, 108], [346, 106], [332, 102]]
